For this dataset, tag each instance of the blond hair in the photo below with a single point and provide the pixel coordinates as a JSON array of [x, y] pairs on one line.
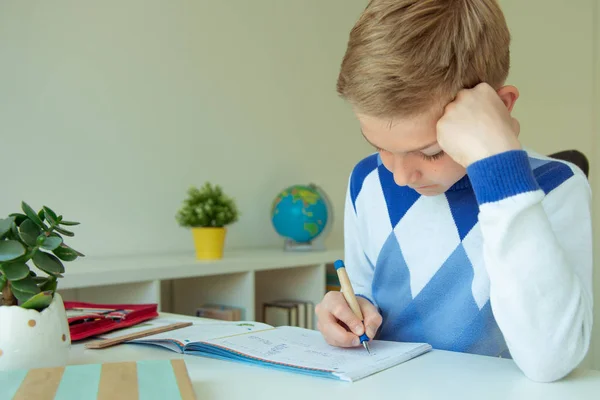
[[406, 56]]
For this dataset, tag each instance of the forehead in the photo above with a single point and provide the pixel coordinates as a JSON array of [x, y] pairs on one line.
[[400, 134]]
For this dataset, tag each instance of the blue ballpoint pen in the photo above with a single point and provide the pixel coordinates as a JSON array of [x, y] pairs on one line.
[[348, 293]]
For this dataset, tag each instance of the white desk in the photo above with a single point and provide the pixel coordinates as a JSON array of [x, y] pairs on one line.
[[435, 375]]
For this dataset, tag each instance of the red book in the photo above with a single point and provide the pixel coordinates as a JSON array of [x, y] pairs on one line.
[[90, 319]]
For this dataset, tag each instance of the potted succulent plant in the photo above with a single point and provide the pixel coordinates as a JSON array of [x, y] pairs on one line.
[[207, 211], [34, 331]]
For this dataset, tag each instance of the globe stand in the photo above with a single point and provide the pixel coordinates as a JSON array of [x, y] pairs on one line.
[[315, 245]]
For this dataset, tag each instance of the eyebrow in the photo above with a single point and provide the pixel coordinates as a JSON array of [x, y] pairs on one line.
[[410, 151]]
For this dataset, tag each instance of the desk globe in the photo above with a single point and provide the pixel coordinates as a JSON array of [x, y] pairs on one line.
[[302, 215]]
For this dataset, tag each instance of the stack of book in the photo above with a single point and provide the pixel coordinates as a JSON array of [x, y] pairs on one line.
[[219, 311], [332, 281], [289, 313]]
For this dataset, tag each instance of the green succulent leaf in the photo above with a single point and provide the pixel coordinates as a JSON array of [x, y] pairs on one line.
[[38, 301], [32, 215], [10, 250], [14, 232], [77, 252], [26, 285], [69, 223], [65, 253], [52, 242], [64, 231], [29, 232], [39, 280], [50, 284], [48, 263], [21, 295], [5, 225], [2, 282], [15, 271], [18, 217], [50, 215]]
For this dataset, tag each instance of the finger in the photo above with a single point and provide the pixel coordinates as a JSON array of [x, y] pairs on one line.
[[372, 317], [342, 311], [373, 322], [334, 334]]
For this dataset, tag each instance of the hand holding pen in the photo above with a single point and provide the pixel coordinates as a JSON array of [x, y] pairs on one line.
[[338, 323]]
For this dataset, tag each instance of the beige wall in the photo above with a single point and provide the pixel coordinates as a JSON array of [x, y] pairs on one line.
[[552, 66], [110, 109]]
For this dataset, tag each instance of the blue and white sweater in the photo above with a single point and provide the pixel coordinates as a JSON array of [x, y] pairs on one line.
[[499, 265]]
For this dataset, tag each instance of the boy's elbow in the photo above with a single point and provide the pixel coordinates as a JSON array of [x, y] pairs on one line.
[[556, 354], [551, 365], [546, 372]]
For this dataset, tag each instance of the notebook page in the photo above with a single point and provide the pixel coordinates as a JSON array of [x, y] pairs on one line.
[[202, 331], [304, 348]]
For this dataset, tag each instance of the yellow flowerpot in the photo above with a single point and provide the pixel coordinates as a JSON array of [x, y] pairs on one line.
[[209, 242]]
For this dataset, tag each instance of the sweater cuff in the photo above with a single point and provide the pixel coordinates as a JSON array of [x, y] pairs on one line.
[[502, 175]]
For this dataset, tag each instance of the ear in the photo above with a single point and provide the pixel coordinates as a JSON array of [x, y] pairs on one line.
[[509, 96]]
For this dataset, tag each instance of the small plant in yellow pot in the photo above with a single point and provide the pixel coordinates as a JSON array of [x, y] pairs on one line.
[[207, 211]]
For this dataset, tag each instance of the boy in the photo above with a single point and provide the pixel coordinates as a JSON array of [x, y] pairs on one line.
[[454, 235]]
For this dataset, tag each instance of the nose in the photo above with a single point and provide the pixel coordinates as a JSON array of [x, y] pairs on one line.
[[405, 171]]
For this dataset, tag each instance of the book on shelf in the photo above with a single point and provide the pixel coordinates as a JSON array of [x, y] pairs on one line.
[[289, 313], [332, 282], [333, 288], [147, 379], [287, 348], [220, 312]]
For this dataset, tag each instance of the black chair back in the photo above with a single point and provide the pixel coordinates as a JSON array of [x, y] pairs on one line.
[[576, 157]]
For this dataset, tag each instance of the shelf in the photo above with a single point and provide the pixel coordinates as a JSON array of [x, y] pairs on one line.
[[103, 271], [180, 283], [234, 289], [301, 283]]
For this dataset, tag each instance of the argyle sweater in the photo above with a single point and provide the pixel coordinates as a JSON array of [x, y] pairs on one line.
[[498, 265]]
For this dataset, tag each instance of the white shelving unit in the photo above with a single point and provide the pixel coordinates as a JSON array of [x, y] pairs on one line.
[[179, 283]]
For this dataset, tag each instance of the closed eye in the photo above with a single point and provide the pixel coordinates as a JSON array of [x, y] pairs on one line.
[[433, 157]]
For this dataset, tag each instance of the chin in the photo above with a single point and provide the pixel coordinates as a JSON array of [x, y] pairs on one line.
[[433, 191], [429, 194]]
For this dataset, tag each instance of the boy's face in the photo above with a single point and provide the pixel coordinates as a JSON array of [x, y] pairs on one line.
[[408, 148]]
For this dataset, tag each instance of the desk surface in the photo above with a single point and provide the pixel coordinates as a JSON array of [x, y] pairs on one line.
[[435, 375]]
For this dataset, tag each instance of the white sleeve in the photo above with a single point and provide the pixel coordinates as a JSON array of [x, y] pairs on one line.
[[538, 254], [358, 266]]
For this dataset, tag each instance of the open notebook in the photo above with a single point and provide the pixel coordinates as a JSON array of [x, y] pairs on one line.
[[288, 348]]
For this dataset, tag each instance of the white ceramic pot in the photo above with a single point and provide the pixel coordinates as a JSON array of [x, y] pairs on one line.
[[34, 339]]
